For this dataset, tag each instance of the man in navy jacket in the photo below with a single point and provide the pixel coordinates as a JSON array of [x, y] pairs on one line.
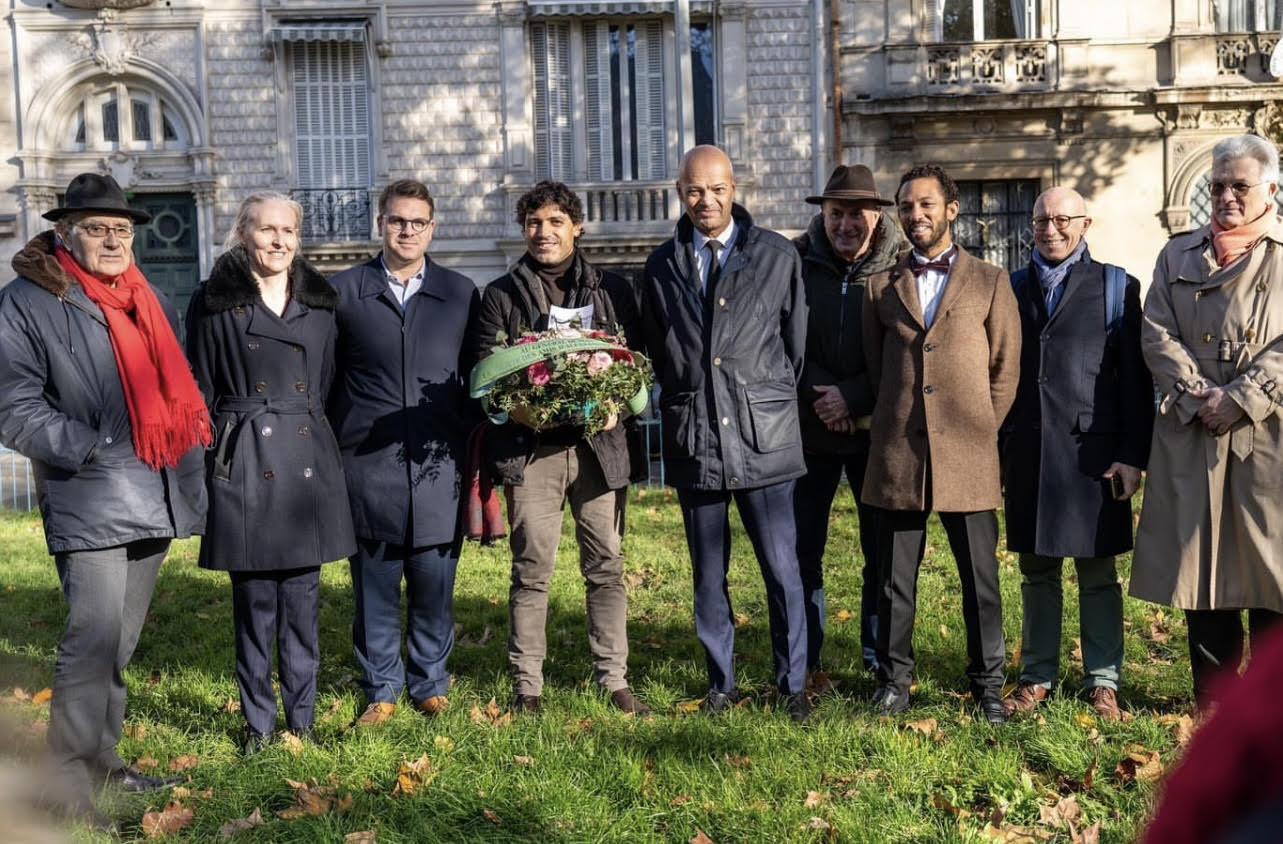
[[400, 410]]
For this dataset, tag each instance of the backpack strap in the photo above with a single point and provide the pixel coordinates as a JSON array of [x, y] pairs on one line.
[[1115, 290]]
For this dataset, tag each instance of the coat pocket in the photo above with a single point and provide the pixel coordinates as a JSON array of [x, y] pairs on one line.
[[677, 413], [772, 413]]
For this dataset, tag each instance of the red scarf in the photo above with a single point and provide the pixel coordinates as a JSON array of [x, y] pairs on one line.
[[166, 410], [1232, 244]]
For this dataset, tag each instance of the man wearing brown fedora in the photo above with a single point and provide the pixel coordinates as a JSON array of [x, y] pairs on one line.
[[100, 397], [846, 243]]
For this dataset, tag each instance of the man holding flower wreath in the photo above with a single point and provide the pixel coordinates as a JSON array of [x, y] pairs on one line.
[[542, 466]]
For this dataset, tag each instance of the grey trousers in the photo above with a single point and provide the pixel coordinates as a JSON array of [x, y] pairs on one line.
[[554, 475], [108, 592], [1100, 619]]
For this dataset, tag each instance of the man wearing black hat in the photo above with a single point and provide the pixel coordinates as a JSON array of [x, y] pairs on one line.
[[100, 397], [847, 242]]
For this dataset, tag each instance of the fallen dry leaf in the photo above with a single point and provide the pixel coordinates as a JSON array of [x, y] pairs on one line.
[[412, 776], [736, 761], [492, 816], [689, 705], [680, 800], [443, 743], [1090, 835], [1184, 730], [183, 763], [42, 697], [1014, 834], [1084, 720], [232, 705], [943, 803], [227, 830], [137, 732], [334, 707], [20, 695], [291, 742], [146, 762], [740, 619], [927, 726], [700, 838], [844, 615], [1140, 764], [312, 799], [365, 836], [1064, 813], [167, 821], [814, 799], [523, 760], [1077, 653], [492, 715]]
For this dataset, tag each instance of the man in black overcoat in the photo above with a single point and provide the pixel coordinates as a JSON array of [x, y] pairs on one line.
[[400, 410], [1074, 445]]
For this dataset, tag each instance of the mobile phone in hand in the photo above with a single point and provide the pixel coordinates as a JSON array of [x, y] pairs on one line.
[[1114, 486]]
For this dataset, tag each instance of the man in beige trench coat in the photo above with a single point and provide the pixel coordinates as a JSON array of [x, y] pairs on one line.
[[1212, 335], [942, 339]]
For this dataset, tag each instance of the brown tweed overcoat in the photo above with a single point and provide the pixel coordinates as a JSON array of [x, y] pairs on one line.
[[942, 392]]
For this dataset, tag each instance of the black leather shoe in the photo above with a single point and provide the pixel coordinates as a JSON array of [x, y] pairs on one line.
[[134, 781], [526, 703], [992, 708], [252, 741], [798, 706], [715, 703], [888, 701]]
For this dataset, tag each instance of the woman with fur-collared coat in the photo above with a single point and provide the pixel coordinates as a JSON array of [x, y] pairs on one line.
[[260, 335], [1212, 335]]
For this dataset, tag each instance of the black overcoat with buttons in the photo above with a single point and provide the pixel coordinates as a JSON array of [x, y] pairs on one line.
[[277, 497], [1085, 400]]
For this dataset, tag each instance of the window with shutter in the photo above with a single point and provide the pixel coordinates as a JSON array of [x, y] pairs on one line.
[[1248, 15], [331, 114], [618, 85]]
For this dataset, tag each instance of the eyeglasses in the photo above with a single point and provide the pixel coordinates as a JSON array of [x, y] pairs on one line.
[[98, 230], [1240, 188], [417, 225], [1060, 221]]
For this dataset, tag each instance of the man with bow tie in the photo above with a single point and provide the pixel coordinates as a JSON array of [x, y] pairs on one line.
[[942, 339]]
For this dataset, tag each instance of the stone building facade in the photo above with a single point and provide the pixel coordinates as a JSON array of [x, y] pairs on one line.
[[193, 105], [1122, 101]]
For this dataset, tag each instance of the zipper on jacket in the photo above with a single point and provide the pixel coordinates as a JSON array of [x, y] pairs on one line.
[[842, 314]]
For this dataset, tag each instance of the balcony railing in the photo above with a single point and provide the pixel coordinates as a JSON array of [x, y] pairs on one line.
[[622, 209], [981, 66], [334, 214], [1245, 55]]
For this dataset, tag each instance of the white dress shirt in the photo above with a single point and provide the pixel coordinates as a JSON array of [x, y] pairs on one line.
[[931, 287], [702, 264], [403, 290]]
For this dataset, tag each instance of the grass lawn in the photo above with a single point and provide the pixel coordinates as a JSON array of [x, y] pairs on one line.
[[582, 772]]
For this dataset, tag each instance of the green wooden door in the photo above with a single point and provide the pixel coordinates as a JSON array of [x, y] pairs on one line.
[[166, 249]]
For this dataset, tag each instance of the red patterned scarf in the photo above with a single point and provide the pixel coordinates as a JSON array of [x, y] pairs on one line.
[[166, 409]]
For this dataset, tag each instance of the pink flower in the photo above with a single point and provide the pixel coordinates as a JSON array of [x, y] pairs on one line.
[[539, 373], [526, 338], [599, 362]]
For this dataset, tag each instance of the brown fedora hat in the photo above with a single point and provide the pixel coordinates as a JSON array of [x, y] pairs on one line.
[[850, 183], [95, 192]]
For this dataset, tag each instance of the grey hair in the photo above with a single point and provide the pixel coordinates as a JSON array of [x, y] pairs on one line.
[[236, 236], [1249, 146]]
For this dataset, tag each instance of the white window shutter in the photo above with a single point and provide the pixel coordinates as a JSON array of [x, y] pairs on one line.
[[331, 114], [597, 111], [651, 141], [550, 53]]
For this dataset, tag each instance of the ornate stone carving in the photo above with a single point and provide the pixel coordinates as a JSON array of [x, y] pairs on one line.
[[105, 4], [943, 66], [126, 169], [111, 45], [1187, 115], [1031, 62], [1229, 118], [987, 66]]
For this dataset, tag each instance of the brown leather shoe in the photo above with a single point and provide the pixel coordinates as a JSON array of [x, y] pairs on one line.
[[625, 701], [1105, 701], [1025, 700], [526, 703], [433, 706], [375, 714]]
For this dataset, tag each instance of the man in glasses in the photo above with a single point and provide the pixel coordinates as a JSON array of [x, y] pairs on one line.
[[1074, 445], [98, 394], [400, 410]]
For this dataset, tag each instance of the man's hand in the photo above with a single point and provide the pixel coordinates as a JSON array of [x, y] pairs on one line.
[[1219, 411], [1130, 476], [830, 406], [843, 426]]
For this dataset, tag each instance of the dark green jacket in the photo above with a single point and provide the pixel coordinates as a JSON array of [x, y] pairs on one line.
[[834, 347]]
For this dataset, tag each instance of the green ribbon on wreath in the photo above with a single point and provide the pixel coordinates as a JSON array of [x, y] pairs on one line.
[[504, 361]]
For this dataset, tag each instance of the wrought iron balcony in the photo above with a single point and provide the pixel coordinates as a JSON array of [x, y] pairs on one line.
[[334, 214]]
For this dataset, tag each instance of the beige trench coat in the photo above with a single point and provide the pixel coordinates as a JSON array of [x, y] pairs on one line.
[[1210, 529], [941, 391]]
